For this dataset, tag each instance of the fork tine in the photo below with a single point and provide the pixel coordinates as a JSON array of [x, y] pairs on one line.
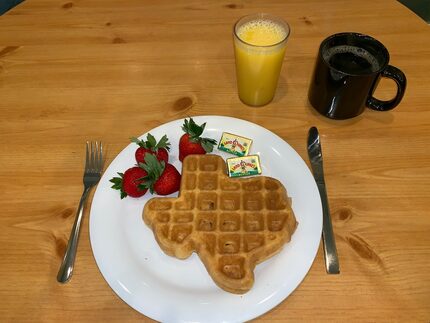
[[96, 156], [93, 155], [100, 163], [87, 158]]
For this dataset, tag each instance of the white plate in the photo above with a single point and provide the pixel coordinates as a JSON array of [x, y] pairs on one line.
[[172, 290]]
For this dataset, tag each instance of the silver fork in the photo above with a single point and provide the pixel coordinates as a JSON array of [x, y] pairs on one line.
[[92, 174]]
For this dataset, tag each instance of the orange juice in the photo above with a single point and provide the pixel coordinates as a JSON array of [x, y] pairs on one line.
[[259, 44]]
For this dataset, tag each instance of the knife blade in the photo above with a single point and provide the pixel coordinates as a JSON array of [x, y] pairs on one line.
[[316, 159]]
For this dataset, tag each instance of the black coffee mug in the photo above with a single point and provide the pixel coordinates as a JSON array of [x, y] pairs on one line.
[[347, 71]]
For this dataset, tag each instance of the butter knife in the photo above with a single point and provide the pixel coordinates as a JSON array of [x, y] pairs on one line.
[[315, 157]]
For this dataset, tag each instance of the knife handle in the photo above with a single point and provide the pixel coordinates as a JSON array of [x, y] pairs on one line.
[[330, 252]]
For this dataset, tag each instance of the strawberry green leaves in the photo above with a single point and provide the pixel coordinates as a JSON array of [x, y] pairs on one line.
[[195, 131], [151, 143]]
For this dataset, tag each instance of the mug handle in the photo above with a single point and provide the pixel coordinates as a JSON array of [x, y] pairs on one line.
[[400, 78]]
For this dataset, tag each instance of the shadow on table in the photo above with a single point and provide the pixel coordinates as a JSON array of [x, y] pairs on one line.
[[6, 5], [420, 7], [281, 90]]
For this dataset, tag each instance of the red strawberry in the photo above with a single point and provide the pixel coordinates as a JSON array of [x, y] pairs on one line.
[[131, 183], [168, 182], [191, 142], [160, 149], [163, 179]]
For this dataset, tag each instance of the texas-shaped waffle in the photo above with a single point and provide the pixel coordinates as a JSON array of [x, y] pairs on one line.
[[232, 224]]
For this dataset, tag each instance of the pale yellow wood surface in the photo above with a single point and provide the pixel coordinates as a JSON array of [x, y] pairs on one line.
[[91, 69]]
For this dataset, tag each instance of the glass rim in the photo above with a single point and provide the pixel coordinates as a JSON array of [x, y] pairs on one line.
[[263, 16]]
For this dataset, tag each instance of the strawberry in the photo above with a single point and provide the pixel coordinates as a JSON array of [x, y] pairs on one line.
[[163, 178], [131, 183], [191, 142], [160, 149]]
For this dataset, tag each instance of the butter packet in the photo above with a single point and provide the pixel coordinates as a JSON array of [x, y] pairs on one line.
[[243, 166], [234, 144]]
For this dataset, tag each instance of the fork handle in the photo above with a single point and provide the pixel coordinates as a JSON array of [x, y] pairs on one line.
[[66, 268]]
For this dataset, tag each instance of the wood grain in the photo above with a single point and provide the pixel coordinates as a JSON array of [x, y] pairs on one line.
[[77, 70]]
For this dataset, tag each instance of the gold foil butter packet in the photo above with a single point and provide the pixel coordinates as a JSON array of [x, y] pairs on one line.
[[243, 166], [234, 144]]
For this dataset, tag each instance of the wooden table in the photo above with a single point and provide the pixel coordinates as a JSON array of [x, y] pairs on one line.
[[74, 70]]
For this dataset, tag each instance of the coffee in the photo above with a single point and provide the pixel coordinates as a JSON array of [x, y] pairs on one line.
[[351, 60], [347, 71]]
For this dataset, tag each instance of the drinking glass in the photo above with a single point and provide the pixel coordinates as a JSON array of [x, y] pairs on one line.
[[259, 46]]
